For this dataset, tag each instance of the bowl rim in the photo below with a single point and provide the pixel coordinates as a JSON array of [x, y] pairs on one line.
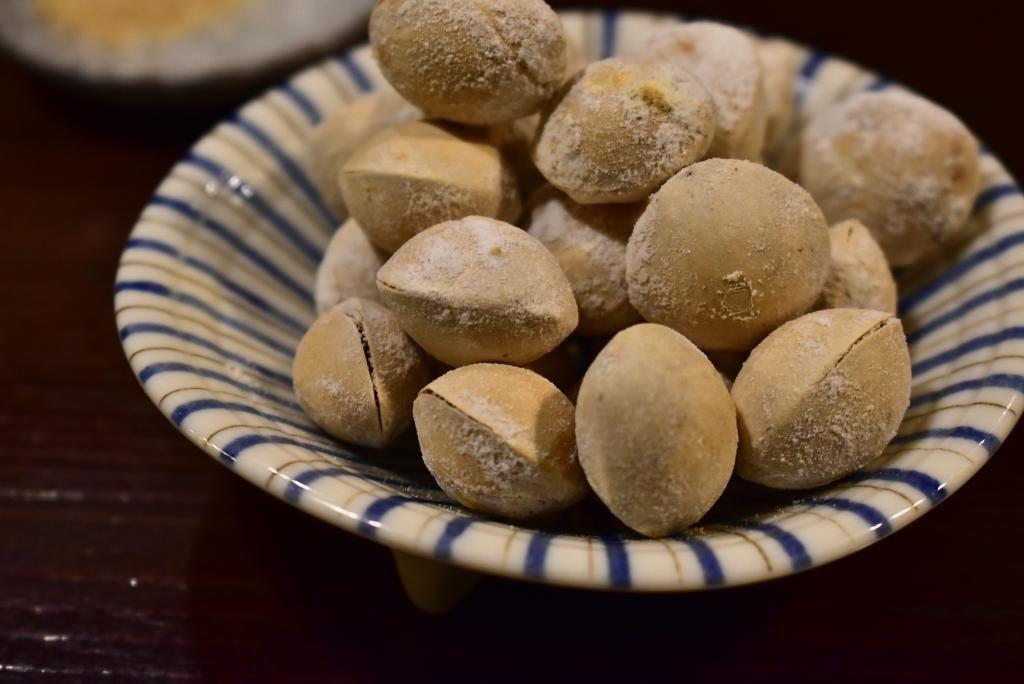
[[342, 488]]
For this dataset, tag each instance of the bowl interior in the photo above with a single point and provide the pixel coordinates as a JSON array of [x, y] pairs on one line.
[[214, 291]]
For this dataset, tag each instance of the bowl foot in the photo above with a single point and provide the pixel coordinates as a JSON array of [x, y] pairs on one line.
[[433, 586]]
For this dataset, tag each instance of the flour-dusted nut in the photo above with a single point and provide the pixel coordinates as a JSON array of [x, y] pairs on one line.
[[348, 269], [343, 130], [499, 439], [821, 397], [780, 64], [408, 178], [725, 252], [656, 430], [904, 166], [471, 61], [356, 373], [589, 242], [860, 276], [622, 128], [727, 63], [479, 290]]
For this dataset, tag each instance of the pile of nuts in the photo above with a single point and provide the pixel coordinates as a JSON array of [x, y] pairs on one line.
[[647, 217]]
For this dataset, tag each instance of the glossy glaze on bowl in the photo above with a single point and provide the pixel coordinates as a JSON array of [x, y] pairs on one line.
[[215, 290]]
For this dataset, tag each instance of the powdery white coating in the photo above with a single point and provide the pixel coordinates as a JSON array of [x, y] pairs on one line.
[[780, 64], [821, 397], [410, 177], [726, 251], [655, 429], [478, 290], [499, 439], [622, 128], [334, 140], [470, 61], [356, 373], [515, 140], [589, 242], [904, 166], [726, 61], [348, 269], [860, 277]]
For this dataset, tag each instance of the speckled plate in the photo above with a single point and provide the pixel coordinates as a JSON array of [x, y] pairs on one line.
[[214, 291]]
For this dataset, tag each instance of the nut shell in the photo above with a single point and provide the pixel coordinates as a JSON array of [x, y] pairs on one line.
[[725, 252], [356, 373], [499, 439], [727, 62], [477, 290], [904, 166], [334, 140], [348, 269], [410, 177], [860, 277], [656, 430], [589, 242], [470, 61], [821, 397], [622, 128]]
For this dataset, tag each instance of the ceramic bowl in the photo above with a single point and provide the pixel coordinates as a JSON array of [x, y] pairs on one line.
[[214, 291]]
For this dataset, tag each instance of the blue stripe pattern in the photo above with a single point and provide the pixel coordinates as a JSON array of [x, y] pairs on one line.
[[793, 547], [618, 561], [355, 72], [251, 197], [1003, 380], [291, 169], [878, 523], [807, 72], [709, 564], [986, 440], [958, 270], [246, 295], [376, 511], [161, 329], [228, 237], [987, 297], [993, 194], [300, 483], [452, 531], [155, 369], [183, 411], [932, 489], [968, 347], [609, 19], [536, 555], [302, 103], [160, 290], [233, 449]]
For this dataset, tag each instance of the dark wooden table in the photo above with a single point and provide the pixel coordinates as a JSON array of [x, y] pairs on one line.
[[125, 554]]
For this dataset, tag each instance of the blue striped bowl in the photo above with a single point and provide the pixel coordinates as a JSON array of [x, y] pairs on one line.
[[214, 292]]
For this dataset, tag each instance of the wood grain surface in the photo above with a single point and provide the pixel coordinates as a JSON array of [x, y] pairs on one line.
[[127, 555]]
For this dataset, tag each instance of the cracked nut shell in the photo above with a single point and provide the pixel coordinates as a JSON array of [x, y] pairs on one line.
[[472, 61], [334, 140], [410, 177], [477, 290], [356, 373], [821, 397], [499, 439]]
